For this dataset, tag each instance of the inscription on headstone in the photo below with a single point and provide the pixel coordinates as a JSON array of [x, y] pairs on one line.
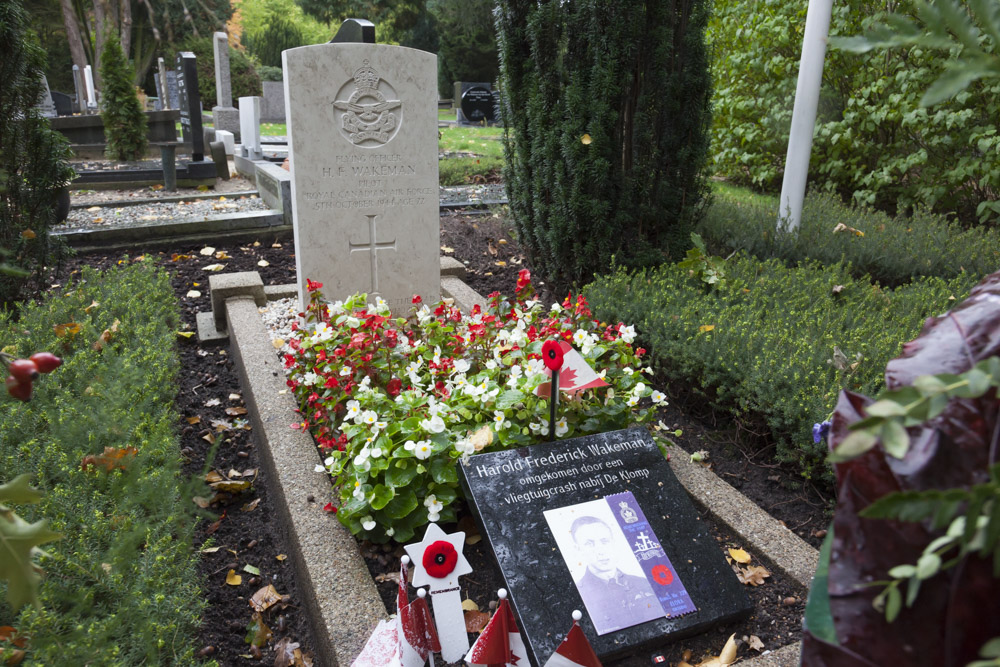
[[190, 104], [362, 125], [478, 105], [600, 523]]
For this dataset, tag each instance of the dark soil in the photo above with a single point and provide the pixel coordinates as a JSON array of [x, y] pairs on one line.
[[245, 528]]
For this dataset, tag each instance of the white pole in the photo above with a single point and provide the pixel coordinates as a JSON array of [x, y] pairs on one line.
[[793, 185]]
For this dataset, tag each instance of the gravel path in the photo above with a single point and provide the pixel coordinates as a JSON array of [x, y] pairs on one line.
[[141, 214], [99, 197]]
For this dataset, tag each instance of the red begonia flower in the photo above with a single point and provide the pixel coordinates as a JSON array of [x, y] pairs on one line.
[[312, 286], [440, 559]]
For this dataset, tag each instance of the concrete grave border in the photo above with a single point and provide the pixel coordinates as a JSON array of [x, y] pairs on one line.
[[340, 597]]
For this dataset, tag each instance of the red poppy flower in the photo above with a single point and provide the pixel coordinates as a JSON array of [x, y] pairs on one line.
[[440, 559], [552, 355], [662, 575]]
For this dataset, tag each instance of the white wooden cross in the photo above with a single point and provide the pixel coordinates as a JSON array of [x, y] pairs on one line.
[[444, 559]]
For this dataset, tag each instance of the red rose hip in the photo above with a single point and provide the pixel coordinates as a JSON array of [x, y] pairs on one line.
[[19, 390], [45, 361], [23, 370]]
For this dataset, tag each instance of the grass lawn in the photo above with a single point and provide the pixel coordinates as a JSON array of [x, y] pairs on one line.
[[483, 141]]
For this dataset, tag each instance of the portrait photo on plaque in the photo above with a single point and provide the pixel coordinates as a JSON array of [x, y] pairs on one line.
[[609, 578]]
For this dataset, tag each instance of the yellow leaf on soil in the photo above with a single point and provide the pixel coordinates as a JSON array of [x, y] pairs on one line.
[[233, 579], [263, 262], [185, 334], [482, 438], [265, 598], [445, 248], [207, 251], [740, 556], [214, 268], [193, 294], [281, 557], [278, 343], [469, 605]]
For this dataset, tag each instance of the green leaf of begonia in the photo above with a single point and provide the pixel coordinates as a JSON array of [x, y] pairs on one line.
[[400, 473], [443, 470], [894, 438], [381, 496], [509, 399], [445, 494], [400, 506]]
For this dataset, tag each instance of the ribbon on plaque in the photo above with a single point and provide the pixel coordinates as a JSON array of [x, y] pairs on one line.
[[652, 558]]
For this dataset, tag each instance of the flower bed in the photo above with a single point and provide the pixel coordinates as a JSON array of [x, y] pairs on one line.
[[394, 403]]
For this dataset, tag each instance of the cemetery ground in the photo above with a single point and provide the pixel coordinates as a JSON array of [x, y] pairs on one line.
[[240, 530]]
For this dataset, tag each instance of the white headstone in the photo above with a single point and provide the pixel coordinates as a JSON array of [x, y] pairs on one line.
[[250, 127], [46, 107], [88, 76], [161, 88], [362, 131], [228, 140]]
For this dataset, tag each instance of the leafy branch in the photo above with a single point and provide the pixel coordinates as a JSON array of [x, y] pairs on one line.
[[912, 405], [19, 542], [707, 268], [942, 25]]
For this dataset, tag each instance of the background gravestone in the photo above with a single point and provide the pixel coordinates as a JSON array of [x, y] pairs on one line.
[[173, 95], [362, 131], [161, 84], [272, 108], [189, 103], [224, 115], [62, 102], [46, 107], [478, 105], [509, 491], [79, 104], [250, 128]]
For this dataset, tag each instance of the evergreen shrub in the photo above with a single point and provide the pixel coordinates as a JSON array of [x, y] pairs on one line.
[[277, 35], [33, 161], [124, 120], [606, 108], [758, 343], [121, 586], [892, 250]]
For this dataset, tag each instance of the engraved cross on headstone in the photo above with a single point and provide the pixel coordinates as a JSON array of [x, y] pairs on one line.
[[373, 247]]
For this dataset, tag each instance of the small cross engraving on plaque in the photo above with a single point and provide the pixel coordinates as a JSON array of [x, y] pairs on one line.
[[373, 247]]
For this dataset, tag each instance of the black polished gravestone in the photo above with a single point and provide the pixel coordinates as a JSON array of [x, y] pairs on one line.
[[190, 104], [546, 510], [478, 105]]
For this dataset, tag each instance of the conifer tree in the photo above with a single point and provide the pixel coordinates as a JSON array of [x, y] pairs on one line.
[[124, 120], [33, 159], [606, 108]]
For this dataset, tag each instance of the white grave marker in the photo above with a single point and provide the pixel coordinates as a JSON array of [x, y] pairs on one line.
[[250, 127], [362, 130], [88, 75]]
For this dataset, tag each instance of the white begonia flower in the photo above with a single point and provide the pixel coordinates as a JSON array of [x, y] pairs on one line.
[[516, 371], [465, 447], [353, 410], [491, 364], [639, 389], [542, 427], [414, 379], [377, 452], [648, 370], [500, 420], [352, 322], [535, 366], [562, 428], [555, 308], [367, 522], [322, 333], [359, 493], [319, 468], [632, 400], [413, 367], [309, 379], [580, 337], [658, 396], [389, 532], [433, 504], [627, 333], [380, 425], [433, 516], [380, 305], [345, 370], [369, 417], [424, 449], [627, 371], [409, 445], [460, 380], [517, 336], [335, 308], [328, 461], [362, 457], [462, 366], [437, 355]]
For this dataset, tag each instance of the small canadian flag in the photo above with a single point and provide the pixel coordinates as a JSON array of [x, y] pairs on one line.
[[500, 644], [575, 375], [575, 650]]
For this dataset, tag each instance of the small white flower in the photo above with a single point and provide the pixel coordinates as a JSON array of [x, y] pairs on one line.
[[345, 370], [319, 468], [639, 389], [432, 504], [627, 333], [562, 428], [648, 370], [413, 367], [491, 364], [409, 445], [580, 337], [423, 449], [335, 308], [433, 425], [433, 516], [627, 371], [437, 355], [465, 447], [380, 305], [362, 457], [359, 493], [352, 322], [462, 366], [367, 522], [658, 397], [633, 399], [500, 420], [535, 366], [380, 425], [389, 532], [328, 461], [310, 379], [353, 410], [377, 452], [369, 417]]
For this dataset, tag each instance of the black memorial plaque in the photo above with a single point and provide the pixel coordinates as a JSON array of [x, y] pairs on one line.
[[190, 104], [477, 105], [518, 497]]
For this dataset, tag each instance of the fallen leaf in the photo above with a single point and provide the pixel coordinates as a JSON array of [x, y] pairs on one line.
[[251, 569], [207, 251], [481, 438], [740, 556], [222, 254], [209, 438], [251, 506], [234, 397], [193, 420], [106, 336], [177, 257], [235, 412], [113, 457], [28, 234], [387, 576], [193, 294], [473, 539], [203, 188], [755, 643], [281, 557], [284, 653], [753, 575], [210, 550], [214, 526], [500, 263], [92, 209], [233, 579], [446, 249], [214, 268], [259, 634], [475, 621], [278, 343], [185, 334], [469, 605], [212, 402], [493, 250], [502, 241], [724, 659], [230, 486], [263, 262], [68, 329]]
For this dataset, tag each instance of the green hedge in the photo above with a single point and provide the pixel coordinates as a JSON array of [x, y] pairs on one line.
[[892, 250], [121, 586], [759, 342]]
